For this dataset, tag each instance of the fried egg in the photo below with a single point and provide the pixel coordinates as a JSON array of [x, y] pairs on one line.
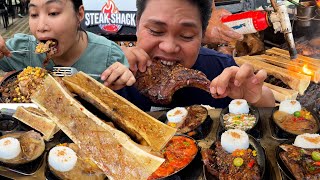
[[9, 148], [62, 158]]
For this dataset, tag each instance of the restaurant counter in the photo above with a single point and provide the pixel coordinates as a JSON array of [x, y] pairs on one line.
[[268, 142]]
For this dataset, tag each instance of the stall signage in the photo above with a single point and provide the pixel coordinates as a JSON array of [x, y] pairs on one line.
[[110, 16]]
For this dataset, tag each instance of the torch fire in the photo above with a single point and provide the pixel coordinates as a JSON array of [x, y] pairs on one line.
[[306, 69]]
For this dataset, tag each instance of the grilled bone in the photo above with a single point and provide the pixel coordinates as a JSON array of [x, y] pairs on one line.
[[159, 82]]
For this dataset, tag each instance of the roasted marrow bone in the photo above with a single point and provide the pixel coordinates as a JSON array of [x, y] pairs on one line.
[[38, 120], [113, 151], [133, 120]]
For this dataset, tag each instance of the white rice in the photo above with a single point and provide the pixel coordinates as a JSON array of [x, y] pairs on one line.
[[177, 114], [62, 158], [239, 106], [311, 141], [9, 148], [290, 106], [233, 139]]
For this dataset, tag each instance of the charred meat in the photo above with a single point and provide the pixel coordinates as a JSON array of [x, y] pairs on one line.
[[222, 165], [196, 116], [49, 47], [307, 50], [159, 82], [19, 89], [300, 162]]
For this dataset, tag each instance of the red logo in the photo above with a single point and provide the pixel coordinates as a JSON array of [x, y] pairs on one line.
[[110, 8]]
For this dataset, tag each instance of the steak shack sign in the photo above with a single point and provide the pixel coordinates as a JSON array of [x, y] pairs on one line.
[[110, 16]]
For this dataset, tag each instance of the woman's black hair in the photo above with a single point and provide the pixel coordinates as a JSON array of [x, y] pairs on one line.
[[76, 4], [204, 7]]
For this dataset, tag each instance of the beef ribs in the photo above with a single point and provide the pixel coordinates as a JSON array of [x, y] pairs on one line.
[[159, 82]]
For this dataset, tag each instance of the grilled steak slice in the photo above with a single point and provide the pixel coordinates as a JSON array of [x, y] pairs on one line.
[[300, 162], [159, 82], [208, 159], [112, 150], [197, 114], [220, 164]]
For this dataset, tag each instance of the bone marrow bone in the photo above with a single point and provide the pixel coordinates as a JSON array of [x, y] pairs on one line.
[[113, 151], [38, 120], [296, 81], [133, 120]]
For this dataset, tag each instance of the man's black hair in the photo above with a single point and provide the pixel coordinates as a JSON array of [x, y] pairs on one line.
[[204, 7]]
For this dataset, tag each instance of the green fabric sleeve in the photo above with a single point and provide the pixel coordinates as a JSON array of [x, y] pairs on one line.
[[18, 61], [116, 54]]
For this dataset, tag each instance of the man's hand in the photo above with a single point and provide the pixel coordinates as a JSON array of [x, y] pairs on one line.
[[138, 59], [217, 32], [239, 83], [117, 76]]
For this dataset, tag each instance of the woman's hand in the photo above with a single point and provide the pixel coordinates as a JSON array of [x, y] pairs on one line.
[[239, 83], [117, 76], [217, 32], [138, 59], [3, 49]]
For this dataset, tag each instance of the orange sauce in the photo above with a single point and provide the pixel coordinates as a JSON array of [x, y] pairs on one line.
[[178, 153]]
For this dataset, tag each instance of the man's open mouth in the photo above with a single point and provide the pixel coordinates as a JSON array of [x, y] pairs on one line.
[[165, 62]]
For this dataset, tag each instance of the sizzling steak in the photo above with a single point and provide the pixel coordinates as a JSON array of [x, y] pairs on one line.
[[197, 114], [159, 82], [220, 164], [300, 162]]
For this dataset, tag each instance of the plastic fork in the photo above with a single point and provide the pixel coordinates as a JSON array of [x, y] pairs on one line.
[[68, 71]]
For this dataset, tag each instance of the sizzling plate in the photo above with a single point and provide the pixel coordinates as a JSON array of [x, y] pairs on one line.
[[12, 77], [261, 158], [286, 171], [201, 131], [289, 134]]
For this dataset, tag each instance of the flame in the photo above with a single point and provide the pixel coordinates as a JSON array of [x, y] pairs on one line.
[[306, 70], [110, 7]]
